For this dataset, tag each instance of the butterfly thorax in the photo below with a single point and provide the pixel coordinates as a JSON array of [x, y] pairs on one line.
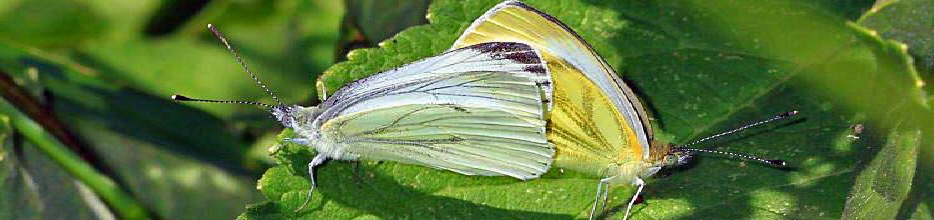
[[302, 121]]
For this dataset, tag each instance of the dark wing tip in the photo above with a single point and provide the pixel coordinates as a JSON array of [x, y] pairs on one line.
[[518, 52], [489, 47], [537, 69]]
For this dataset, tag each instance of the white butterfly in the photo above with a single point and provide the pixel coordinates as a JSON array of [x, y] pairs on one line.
[[475, 111], [478, 110]]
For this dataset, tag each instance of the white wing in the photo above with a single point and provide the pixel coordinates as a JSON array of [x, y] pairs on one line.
[[515, 21], [516, 58], [439, 122]]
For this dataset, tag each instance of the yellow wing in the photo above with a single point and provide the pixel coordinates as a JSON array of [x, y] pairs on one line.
[[587, 130], [596, 120]]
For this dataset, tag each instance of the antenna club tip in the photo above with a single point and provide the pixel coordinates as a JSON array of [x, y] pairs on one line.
[[180, 98], [780, 163], [210, 25], [791, 113]]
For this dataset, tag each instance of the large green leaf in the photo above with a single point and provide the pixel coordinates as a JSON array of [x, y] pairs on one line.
[[701, 67]]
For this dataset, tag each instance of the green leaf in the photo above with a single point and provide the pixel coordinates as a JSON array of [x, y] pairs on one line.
[[886, 181], [910, 22], [701, 67]]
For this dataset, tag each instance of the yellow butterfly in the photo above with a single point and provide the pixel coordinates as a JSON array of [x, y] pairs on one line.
[[597, 123]]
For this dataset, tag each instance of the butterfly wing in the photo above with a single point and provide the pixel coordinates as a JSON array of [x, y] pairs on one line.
[[430, 122], [516, 58], [596, 112]]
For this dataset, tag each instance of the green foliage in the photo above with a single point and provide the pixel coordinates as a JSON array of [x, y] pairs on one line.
[[701, 67]]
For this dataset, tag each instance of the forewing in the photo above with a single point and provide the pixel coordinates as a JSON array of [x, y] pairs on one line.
[[565, 53], [468, 139], [503, 91], [516, 58]]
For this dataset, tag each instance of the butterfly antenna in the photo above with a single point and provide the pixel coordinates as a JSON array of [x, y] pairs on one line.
[[744, 127], [242, 64], [777, 163], [182, 98]]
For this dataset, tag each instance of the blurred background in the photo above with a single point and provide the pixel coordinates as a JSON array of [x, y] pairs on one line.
[[87, 129]]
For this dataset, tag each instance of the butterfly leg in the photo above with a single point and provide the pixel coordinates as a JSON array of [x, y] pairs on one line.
[[606, 196], [634, 197], [318, 160], [356, 174], [596, 200], [605, 187]]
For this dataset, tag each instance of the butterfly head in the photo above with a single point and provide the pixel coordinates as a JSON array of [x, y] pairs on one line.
[[666, 155], [293, 116], [284, 114], [676, 158]]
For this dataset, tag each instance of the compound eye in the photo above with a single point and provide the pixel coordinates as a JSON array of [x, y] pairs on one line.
[[684, 159], [671, 160]]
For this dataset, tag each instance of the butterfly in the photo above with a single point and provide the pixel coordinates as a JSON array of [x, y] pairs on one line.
[[478, 110], [598, 124]]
